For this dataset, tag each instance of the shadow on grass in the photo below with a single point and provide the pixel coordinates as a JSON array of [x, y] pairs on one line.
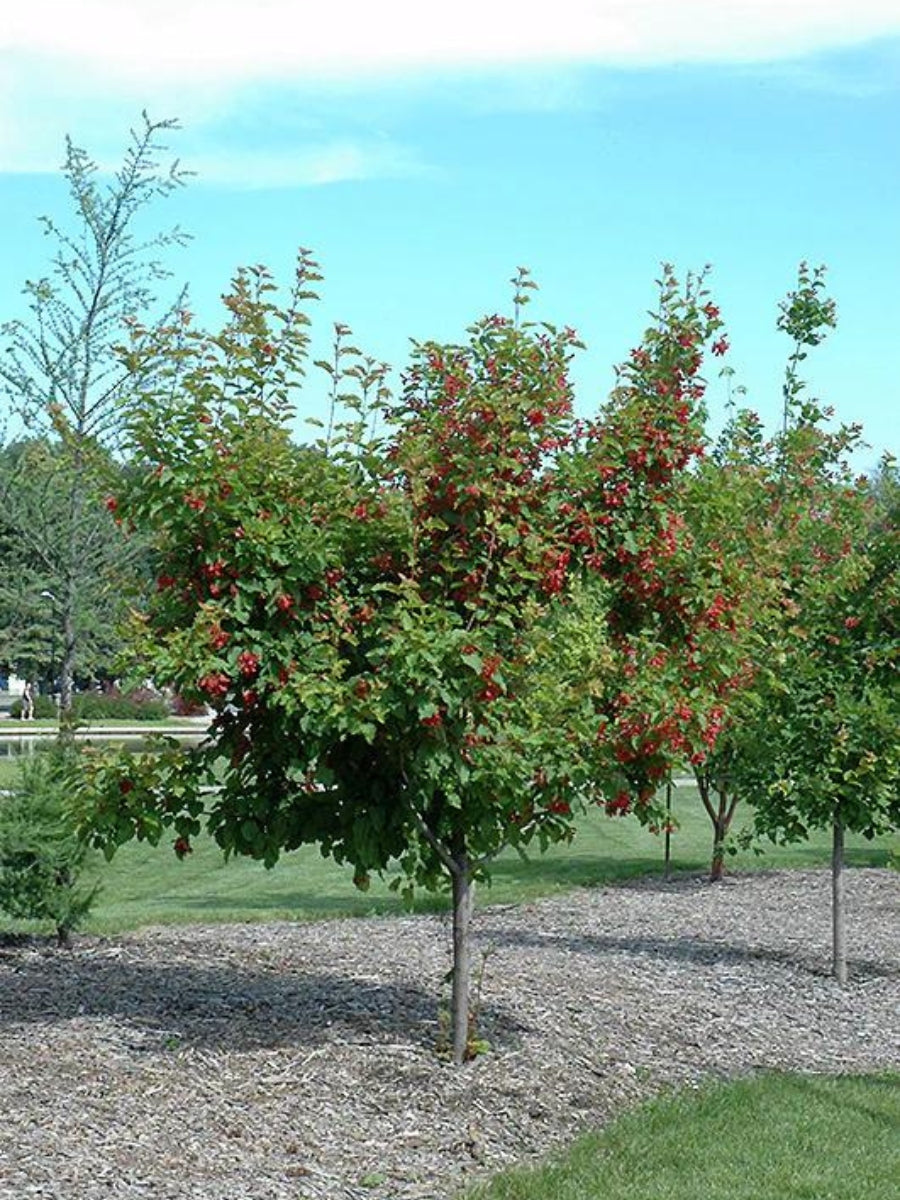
[[309, 906], [162, 1006], [812, 856], [544, 874]]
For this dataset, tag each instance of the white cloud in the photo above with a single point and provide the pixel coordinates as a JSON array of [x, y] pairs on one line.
[[231, 40], [337, 161], [89, 67]]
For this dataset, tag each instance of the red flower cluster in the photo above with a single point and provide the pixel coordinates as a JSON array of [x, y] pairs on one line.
[[248, 664], [215, 684], [619, 805], [489, 666], [555, 575], [218, 637]]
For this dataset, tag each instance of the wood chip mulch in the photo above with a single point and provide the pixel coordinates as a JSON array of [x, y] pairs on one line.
[[298, 1061]]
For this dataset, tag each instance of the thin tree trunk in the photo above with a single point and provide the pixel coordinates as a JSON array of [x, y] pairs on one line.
[[67, 667], [667, 872], [838, 922], [463, 894], [717, 867], [70, 594], [721, 813]]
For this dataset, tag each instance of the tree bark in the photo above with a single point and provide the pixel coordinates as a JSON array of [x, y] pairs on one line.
[[667, 871], [717, 867], [463, 894], [67, 666], [721, 814], [838, 919]]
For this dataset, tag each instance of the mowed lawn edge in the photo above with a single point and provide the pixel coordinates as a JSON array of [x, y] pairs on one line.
[[771, 1137]]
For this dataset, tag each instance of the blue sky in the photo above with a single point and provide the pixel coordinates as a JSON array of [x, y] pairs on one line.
[[424, 160]]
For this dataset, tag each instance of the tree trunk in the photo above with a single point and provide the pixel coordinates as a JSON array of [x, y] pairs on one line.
[[667, 871], [67, 667], [721, 813], [69, 599], [463, 894], [720, 832], [838, 924]]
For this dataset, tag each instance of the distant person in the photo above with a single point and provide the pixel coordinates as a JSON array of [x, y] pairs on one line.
[[28, 702]]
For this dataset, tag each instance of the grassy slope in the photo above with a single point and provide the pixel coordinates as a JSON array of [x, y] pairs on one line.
[[144, 885], [784, 1137]]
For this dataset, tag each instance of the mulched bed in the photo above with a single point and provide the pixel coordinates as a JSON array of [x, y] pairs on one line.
[[288, 1061]]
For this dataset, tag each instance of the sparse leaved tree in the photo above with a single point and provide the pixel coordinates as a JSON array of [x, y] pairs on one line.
[[60, 372], [820, 748]]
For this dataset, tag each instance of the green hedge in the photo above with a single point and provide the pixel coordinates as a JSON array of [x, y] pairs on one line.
[[101, 706], [44, 708]]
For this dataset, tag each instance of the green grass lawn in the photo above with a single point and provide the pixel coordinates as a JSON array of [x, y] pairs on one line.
[[145, 885], [148, 885], [776, 1137]]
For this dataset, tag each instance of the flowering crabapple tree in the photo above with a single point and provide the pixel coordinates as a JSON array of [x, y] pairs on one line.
[[726, 501], [831, 713], [362, 616], [830, 719], [416, 646], [809, 739], [671, 612], [754, 502]]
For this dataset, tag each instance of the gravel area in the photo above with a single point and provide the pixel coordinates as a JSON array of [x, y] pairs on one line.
[[289, 1061]]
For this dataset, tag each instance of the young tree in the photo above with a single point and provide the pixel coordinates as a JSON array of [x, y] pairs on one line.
[[41, 856], [680, 613], [757, 502], [820, 747], [60, 371], [830, 719], [416, 646], [726, 504]]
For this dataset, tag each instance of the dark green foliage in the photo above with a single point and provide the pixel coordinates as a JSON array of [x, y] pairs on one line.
[[44, 709], [110, 706], [101, 706], [41, 857]]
